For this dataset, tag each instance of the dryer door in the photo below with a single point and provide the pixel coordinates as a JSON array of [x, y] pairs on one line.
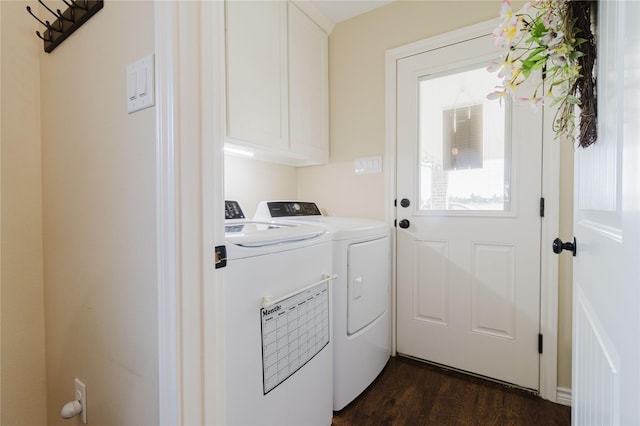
[[369, 278]]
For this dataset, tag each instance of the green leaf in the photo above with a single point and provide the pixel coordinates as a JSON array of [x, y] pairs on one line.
[[556, 101], [538, 65], [573, 100], [579, 41], [538, 29]]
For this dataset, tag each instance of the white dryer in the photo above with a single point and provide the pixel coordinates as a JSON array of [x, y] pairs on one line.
[[361, 293], [277, 302]]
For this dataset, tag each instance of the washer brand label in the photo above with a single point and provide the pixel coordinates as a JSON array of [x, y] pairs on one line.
[[267, 312]]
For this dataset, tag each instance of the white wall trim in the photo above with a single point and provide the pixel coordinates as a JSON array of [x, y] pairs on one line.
[[563, 396], [316, 15], [550, 190], [168, 335], [189, 57], [213, 113], [548, 259]]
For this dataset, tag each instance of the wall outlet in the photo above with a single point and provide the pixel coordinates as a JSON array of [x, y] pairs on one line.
[[81, 395]]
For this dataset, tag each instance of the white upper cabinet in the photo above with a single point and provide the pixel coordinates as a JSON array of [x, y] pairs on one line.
[[276, 82], [308, 87]]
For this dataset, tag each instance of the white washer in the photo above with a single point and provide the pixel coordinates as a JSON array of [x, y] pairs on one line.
[[277, 302], [361, 301]]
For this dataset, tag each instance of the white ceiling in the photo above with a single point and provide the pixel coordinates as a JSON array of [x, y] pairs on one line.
[[341, 10]]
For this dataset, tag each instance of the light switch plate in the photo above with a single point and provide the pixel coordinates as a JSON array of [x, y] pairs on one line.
[[140, 84], [368, 165]]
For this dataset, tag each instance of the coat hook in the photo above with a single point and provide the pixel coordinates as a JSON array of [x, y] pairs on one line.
[[47, 7], [37, 19], [50, 27], [85, 7], [72, 11], [45, 39], [66, 22], [60, 24], [61, 16]]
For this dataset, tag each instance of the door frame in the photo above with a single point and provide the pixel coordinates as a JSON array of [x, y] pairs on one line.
[[550, 190], [189, 84]]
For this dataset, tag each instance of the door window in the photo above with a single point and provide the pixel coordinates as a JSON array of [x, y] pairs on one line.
[[464, 151]]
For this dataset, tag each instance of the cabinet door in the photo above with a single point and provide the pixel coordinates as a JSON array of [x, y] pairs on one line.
[[257, 98], [308, 89]]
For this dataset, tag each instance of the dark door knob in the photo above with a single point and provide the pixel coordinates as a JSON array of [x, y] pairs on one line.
[[405, 202], [558, 246], [404, 223]]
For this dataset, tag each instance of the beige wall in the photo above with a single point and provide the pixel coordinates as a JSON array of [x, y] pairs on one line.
[[99, 221], [357, 116], [22, 349], [249, 181]]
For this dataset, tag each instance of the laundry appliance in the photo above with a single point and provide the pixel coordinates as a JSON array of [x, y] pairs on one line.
[[277, 313], [361, 292]]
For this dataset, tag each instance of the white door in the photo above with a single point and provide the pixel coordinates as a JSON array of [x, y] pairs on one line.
[[606, 319], [468, 242]]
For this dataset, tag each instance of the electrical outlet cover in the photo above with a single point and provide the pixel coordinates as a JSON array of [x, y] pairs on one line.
[[81, 395]]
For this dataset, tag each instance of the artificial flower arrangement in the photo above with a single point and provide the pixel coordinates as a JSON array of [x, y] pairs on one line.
[[554, 37]]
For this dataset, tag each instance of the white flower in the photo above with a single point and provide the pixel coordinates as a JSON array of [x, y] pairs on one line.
[[552, 38]]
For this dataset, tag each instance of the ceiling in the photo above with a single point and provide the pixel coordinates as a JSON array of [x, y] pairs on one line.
[[341, 10]]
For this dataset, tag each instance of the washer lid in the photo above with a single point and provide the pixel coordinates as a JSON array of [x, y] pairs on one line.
[[260, 234]]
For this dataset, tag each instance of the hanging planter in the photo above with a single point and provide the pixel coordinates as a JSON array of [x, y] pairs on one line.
[[554, 37]]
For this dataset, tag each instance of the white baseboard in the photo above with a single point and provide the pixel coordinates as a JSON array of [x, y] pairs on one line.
[[563, 396]]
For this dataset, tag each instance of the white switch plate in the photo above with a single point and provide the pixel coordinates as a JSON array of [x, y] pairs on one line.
[[140, 84], [368, 165]]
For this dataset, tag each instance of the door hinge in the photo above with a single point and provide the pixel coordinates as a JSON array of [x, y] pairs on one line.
[[541, 206], [221, 256], [539, 343]]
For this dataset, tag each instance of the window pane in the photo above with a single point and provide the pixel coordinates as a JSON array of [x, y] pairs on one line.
[[464, 154]]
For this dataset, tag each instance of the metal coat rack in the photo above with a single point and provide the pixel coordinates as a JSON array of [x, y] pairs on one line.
[[77, 13]]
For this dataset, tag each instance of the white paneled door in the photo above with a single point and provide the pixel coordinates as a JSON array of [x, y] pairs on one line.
[[468, 211], [606, 306]]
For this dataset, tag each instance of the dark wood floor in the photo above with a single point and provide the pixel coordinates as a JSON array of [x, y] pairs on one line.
[[409, 392]]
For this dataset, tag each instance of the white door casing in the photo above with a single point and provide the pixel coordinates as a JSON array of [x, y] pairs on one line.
[[548, 290], [606, 319], [190, 223]]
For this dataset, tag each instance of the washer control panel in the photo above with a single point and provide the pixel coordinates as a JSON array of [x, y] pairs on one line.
[[293, 208], [232, 210]]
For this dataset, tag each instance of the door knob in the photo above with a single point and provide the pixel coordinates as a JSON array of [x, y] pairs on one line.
[[405, 202], [558, 246], [404, 223]]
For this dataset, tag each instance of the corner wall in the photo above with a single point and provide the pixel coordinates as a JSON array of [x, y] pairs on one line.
[[99, 199], [22, 349]]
